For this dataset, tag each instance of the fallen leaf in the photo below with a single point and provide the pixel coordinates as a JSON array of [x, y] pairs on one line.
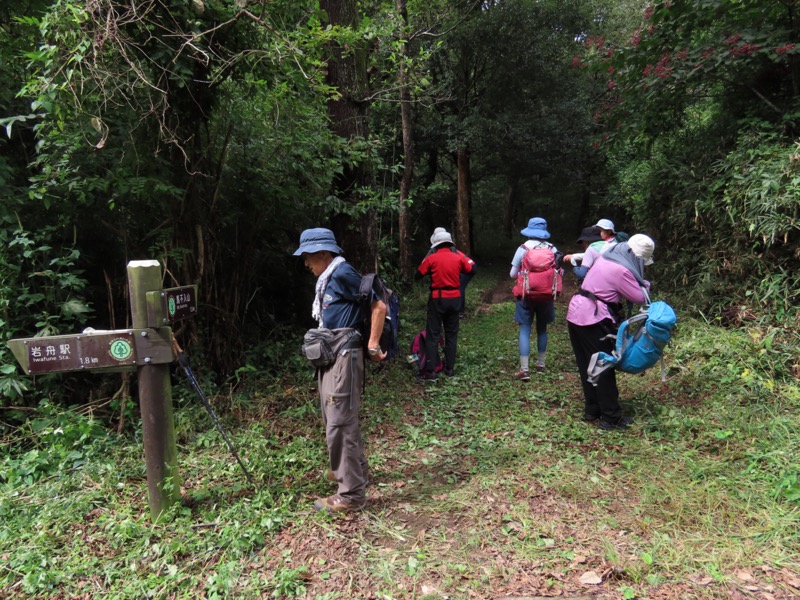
[[744, 576], [580, 559], [590, 578], [427, 590]]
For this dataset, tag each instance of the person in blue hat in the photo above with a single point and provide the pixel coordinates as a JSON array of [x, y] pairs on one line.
[[526, 310], [336, 307]]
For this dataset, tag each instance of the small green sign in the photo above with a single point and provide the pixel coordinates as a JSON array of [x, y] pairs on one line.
[[120, 349]]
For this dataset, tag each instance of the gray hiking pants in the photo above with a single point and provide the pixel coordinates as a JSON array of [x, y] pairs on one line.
[[340, 390]]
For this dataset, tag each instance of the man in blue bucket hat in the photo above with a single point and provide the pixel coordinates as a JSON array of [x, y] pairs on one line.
[[543, 310], [337, 310]]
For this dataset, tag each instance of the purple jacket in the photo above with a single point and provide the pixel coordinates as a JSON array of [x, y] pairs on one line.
[[608, 281]]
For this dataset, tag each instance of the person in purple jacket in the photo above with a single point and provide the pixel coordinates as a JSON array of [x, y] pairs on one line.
[[596, 311]]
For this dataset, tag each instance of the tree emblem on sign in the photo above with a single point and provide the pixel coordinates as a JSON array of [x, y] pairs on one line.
[[171, 305], [120, 349]]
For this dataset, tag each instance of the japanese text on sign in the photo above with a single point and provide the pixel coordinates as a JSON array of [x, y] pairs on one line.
[[77, 352]]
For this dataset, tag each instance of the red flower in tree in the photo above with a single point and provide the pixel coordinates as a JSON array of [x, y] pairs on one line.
[[784, 49], [734, 39], [744, 50]]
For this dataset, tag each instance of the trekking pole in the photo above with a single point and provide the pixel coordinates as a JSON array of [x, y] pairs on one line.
[[184, 363]]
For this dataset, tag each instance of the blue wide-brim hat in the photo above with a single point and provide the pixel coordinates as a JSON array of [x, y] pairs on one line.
[[316, 240], [537, 228]]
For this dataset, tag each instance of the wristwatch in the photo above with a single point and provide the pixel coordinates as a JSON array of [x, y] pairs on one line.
[[373, 351]]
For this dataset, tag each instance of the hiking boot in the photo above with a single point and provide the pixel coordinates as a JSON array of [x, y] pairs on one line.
[[620, 423], [450, 372], [425, 377], [590, 418], [336, 504], [523, 375], [539, 368]]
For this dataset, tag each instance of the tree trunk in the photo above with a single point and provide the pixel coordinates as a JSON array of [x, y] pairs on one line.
[[349, 113], [463, 238], [509, 204], [404, 232]]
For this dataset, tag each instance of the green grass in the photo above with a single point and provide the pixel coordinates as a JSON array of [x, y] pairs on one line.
[[484, 487]]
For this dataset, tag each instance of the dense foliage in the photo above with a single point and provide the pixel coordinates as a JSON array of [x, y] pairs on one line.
[[208, 134], [699, 125]]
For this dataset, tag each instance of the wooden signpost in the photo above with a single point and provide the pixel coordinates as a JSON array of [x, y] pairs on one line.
[[147, 348]]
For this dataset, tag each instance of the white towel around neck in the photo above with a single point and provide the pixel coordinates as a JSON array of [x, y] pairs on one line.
[[322, 283]]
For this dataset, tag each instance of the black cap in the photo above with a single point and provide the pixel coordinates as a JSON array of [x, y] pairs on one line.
[[590, 234]]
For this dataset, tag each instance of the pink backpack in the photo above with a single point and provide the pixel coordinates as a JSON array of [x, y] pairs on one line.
[[538, 279], [418, 349]]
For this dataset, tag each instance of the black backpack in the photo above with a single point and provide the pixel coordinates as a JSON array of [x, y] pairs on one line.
[[391, 325]]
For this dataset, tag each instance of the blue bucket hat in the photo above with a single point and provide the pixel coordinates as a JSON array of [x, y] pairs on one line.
[[537, 228], [316, 240]]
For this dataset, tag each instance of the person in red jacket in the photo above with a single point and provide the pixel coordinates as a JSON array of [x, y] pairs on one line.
[[444, 264]]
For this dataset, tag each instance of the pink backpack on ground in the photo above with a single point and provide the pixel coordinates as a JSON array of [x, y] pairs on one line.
[[418, 350], [538, 279]]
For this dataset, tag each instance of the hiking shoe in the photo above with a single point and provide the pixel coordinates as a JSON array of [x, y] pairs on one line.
[[621, 423], [523, 375], [450, 372], [539, 368], [590, 418], [336, 504], [425, 377]]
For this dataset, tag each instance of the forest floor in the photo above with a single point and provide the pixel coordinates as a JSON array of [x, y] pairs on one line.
[[483, 486], [494, 488]]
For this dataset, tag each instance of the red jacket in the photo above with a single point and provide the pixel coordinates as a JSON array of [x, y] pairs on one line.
[[445, 266]]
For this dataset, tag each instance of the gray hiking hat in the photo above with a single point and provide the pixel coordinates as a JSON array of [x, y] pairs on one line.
[[605, 224], [440, 236]]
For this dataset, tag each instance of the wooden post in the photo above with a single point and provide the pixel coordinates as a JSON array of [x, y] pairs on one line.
[[155, 399]]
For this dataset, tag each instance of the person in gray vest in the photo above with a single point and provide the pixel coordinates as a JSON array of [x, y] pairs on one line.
[[336, 306]]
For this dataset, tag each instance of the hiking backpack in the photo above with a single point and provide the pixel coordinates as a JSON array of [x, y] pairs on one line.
[[391, 326], [419, 352], [640, 343], [538, 279]]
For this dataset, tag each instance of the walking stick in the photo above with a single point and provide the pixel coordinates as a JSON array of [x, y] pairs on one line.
[[184, 363]]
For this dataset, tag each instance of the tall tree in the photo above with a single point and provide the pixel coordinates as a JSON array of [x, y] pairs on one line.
[[348, 109], [407, 127], [506, 98]]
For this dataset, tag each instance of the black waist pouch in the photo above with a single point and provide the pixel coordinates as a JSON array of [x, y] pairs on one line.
[[320, 346]]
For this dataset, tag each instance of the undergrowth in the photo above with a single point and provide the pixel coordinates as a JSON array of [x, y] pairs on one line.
[[483, 486]]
